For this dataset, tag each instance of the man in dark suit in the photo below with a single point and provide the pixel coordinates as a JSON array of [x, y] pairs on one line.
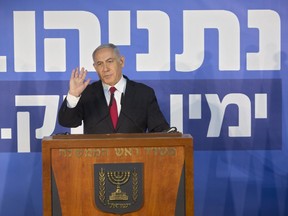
[[137, 107]]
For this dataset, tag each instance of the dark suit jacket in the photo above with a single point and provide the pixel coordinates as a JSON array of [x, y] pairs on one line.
[[140, 111]]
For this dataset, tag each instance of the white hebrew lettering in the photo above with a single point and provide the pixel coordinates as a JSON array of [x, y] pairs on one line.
[[176, 111], [24, 41], [54, 55], [261, 111], [3, 64], [89, 31], [269, 26], [51, 106], [195, 22], [158, 56], [195, 108], [120, 27], [218, 108], [23, 132]]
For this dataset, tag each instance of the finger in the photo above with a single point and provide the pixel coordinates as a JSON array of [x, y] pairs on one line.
[[85, 72], [73, 74], [76, 74], [81, 73], [86, 83]]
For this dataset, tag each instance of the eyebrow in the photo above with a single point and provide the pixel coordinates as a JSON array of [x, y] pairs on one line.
[[111, 58]]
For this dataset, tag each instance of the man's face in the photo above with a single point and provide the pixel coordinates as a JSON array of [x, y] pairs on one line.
[[108, 66]]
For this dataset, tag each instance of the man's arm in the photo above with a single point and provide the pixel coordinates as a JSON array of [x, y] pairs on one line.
[[156, 120], [70, 115]]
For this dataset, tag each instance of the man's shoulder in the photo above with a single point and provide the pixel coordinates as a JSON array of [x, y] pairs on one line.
[[139, 85], [95, 84], [139, 88]]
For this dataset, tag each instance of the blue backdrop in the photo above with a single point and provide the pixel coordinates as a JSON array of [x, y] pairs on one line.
[[219, 69]]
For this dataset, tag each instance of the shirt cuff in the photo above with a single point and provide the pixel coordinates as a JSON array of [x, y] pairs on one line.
[[72, 101]]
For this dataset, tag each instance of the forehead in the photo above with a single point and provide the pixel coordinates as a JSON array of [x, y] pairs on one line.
[[104, 54]]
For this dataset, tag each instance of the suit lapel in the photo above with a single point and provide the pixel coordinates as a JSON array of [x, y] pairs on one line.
[[101, 105], [126, 102]]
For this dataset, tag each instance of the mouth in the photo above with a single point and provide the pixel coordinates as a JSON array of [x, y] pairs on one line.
[[107, 76]]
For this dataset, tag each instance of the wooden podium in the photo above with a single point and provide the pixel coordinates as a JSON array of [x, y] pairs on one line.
[[118, 174]]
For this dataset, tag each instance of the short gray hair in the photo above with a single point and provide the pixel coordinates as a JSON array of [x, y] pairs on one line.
[[109, 45]]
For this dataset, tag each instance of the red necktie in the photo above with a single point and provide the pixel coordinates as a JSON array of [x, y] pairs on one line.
[[113, 107]]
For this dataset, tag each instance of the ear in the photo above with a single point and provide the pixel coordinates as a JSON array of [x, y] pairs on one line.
[[122, 61]]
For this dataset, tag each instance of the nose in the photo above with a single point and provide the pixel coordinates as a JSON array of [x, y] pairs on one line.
[[105, 67]]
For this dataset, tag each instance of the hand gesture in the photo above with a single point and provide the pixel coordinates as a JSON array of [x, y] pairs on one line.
[[77, 82]]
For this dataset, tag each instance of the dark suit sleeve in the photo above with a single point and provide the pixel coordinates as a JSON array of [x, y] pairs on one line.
[[156, 121], [69, 117]]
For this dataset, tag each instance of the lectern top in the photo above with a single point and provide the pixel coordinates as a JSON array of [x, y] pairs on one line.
[[118, 135]]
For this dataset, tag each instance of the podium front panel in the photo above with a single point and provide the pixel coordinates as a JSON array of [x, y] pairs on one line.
[[133, 176]]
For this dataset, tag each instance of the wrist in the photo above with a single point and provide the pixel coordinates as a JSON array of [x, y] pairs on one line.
[[74, 94]]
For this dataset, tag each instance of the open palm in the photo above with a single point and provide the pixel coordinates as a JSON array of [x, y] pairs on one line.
[[77, 82]]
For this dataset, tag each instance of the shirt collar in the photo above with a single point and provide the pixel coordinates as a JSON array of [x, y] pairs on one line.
[[120, 86]]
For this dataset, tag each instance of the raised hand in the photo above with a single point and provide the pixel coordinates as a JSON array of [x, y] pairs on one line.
[[77, 82]]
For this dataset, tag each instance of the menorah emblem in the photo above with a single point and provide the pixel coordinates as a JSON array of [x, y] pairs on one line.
[[127, 178], [118, 178]]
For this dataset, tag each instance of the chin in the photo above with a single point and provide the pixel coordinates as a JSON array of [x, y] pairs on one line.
[[108, 82]]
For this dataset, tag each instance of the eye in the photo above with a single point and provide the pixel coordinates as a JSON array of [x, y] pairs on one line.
[[110, 60]]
